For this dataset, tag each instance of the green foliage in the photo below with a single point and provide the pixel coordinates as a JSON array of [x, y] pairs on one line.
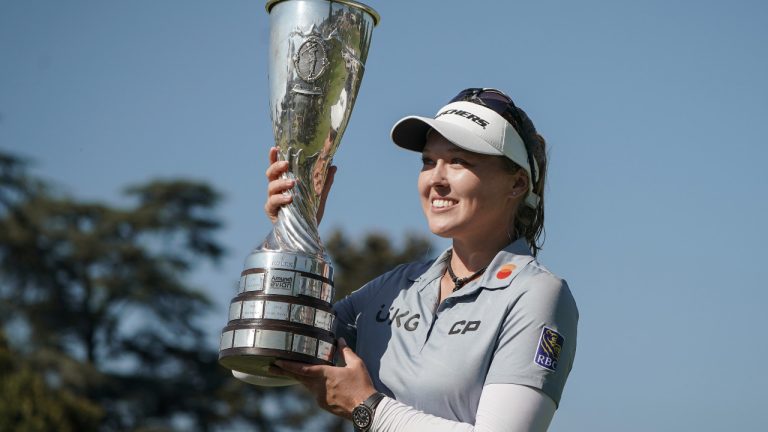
[[28, 403], [110, 319]]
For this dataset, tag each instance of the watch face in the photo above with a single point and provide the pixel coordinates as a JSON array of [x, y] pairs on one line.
[[361, 417]]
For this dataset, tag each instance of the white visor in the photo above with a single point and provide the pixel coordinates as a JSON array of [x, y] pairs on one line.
[[472, 127]]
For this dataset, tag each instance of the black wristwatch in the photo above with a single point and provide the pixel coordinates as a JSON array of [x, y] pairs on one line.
[[362, 415]]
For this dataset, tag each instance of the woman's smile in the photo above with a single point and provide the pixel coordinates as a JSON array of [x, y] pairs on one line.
[[443, 204]]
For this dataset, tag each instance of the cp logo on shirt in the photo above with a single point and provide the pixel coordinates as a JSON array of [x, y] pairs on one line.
[[463, 327]]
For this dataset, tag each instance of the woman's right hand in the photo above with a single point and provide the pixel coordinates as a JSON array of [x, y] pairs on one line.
[[278, 186]]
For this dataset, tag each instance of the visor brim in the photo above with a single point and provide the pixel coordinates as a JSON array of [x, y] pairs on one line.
[[411, 133]]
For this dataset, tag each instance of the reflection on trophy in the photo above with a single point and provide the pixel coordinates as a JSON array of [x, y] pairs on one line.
[[283, 308]]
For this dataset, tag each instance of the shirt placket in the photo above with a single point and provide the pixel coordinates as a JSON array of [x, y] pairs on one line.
[[440, 311]]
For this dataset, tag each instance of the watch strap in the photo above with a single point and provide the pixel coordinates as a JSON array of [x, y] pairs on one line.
[[366, 410], [373, 400]]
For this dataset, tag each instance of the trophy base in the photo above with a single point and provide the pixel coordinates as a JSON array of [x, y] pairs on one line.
[[263, 381], [252, 365], [282, 311]]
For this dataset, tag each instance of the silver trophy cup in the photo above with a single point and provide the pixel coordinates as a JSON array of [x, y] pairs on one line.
[[282, 309]]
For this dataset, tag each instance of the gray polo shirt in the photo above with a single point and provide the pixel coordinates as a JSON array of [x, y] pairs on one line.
[[516, 324]]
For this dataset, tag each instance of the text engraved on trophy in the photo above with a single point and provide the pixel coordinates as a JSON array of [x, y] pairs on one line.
[[327, 294], [324, 320], [277, 310], [253, 309], [311, 59], [324, 350], [280, 282], [280, 260], [304, 345], [310, 287], [302, 314], [254, 282], [234, 310]]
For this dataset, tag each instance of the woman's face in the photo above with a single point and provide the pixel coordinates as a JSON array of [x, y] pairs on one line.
[[464, 195]]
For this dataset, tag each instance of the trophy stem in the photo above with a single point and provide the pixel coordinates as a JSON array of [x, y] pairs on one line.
[[296, 227]]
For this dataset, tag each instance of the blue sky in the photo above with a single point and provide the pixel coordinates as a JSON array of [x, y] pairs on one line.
[[655, 114]]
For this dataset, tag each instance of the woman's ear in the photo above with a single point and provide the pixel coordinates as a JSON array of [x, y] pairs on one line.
[[519, 184]]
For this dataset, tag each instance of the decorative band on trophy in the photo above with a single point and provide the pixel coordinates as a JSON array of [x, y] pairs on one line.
[[266, 342], [289, 261], [284, 282], [282, 308]]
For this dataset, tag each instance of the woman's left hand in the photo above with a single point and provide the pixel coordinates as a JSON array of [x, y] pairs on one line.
[[338, 389]]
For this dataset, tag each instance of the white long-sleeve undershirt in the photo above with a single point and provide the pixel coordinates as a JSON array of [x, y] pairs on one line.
[[502, 408]]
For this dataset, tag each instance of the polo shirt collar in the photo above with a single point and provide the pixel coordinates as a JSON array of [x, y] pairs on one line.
[[422, 275], [507, 264], [499, 274]]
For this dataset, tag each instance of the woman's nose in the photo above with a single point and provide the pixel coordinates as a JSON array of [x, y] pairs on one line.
[[438, 174]]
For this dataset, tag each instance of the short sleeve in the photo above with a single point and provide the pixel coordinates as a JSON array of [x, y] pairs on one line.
[[537, 342], [346, 311]]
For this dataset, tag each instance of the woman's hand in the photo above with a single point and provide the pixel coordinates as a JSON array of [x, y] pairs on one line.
[[337, 389], [278, 187]]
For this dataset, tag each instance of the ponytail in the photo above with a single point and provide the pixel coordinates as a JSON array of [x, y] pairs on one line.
[[529, 222]]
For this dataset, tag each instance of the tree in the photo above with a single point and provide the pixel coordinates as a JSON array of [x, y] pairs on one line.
[[36, 406], [99, 300]]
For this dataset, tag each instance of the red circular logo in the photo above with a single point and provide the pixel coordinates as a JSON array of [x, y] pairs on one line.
[[505, 271]]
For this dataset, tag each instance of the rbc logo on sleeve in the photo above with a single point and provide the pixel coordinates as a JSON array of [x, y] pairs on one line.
[[548, 352]]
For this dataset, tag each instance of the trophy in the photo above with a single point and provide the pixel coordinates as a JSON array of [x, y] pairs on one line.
[[282, 309]]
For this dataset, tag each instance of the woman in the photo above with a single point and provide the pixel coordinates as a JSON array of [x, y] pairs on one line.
[[481, 338]]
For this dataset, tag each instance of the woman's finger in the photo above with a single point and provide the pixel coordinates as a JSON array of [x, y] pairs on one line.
[[274, 203], [279, 186], [308, 382], [276, 169], [276, 196], [300, 369], [347, 354]]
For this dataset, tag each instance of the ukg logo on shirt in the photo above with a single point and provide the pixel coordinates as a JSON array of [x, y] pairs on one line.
[[404, 318]]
